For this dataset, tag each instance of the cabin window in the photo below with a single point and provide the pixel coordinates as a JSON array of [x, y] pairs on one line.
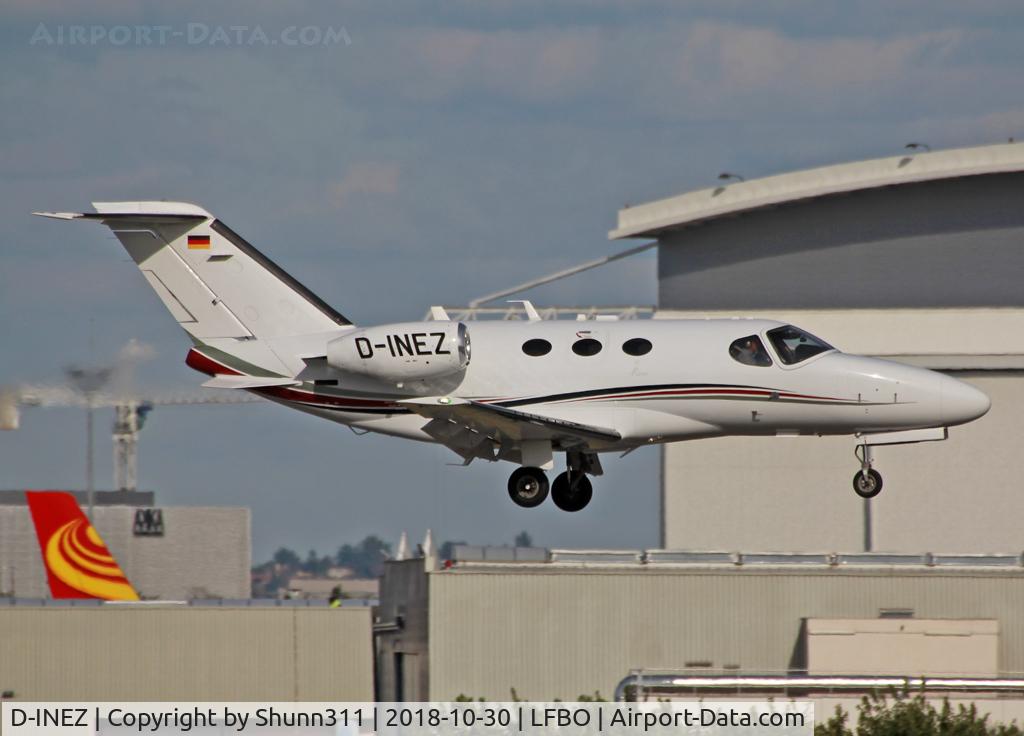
[[586, 346], [536, 347], [637, 346], [750, 350], [793, 345]]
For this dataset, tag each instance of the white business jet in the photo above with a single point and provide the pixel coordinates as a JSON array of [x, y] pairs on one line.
[[520, 391]]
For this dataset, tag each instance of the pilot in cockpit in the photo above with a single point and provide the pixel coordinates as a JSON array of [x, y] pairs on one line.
[[750, 350]]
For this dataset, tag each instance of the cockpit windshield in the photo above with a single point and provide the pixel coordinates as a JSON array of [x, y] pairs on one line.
[[793, 345], [750, 350]]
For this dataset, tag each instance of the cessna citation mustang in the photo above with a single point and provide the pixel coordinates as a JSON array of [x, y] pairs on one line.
[[520, 391]]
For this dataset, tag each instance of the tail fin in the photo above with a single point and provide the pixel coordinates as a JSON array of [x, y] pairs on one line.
[[213, 282], [78, 563]]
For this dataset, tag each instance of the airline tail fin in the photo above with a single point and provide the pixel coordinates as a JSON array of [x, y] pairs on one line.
[[212, 281], [78, 563]]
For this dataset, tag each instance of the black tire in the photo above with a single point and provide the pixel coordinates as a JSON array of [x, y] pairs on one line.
[[528, 487], [572, 497], [867, 486]]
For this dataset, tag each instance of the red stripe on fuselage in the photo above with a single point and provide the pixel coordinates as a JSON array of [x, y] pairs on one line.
[[203, 363], [709, 392], [291, 394]]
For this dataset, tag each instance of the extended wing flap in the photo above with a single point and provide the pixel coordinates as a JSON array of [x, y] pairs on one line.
[[506, 424]]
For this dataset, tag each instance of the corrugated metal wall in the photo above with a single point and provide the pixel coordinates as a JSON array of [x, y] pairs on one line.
[[185, 653], [563, 633]]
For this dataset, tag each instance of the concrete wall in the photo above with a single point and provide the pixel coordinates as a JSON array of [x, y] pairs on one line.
[[559, 632], [204, 552], [403, 664], [918, 647], [151, 653], [795, 494], [948, 243]]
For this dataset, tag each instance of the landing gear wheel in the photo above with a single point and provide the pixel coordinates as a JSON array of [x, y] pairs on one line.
[[528, 487], [867, 484], [572, 495]]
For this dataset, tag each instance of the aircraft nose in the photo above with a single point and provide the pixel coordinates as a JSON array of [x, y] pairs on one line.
[[961, 402]]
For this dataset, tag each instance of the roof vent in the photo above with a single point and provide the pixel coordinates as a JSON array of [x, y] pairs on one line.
[[895, 613]]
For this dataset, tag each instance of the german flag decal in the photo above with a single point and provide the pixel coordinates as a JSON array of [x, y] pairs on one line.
[[78, 563], [199, 242]]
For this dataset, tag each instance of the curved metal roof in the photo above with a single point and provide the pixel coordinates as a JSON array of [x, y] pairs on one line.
[[653, 218]]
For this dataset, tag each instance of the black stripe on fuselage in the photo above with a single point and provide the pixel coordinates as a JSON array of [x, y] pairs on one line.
[[596, 392]]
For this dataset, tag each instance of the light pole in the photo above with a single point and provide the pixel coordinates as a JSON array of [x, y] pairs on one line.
[[868, 541], [88, 382]]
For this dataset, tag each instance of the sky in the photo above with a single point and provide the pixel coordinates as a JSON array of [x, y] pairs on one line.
[[396, 155]]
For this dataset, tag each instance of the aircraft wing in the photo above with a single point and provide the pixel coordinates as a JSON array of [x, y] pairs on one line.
[[472, 428]]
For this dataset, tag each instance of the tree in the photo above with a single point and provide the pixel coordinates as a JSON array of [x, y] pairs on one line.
[[908, 715], [316, 565], [523, 539], [286, 557], [366, 560]]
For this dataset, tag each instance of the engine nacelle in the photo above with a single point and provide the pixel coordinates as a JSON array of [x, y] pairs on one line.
[[409, 351]]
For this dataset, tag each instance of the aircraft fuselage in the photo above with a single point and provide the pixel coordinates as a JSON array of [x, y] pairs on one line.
[[687, 386]]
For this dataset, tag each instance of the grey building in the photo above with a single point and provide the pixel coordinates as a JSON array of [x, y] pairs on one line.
[[577, 622], [917, 258], [199, 552]]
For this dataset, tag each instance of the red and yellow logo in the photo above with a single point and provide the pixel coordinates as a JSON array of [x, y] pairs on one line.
[[78, 563]]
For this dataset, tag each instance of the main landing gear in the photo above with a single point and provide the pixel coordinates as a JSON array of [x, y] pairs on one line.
[[867, 482], [571, 491], [528, 487]]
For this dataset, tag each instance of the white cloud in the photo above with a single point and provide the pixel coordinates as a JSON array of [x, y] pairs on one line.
[[675, 69], [364, 178]]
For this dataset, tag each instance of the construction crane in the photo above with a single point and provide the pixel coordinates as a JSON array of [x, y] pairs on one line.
[[113, 387]]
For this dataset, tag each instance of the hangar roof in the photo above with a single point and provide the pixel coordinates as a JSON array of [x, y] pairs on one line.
[[654, 218]]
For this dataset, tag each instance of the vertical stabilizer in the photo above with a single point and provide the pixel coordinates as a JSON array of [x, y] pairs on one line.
[[78, 563]]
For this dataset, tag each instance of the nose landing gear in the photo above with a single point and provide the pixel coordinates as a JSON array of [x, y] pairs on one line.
[[867, 482]]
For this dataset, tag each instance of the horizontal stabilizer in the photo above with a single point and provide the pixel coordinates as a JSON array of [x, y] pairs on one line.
[[145, 210], [59, 215], [248, 382]]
